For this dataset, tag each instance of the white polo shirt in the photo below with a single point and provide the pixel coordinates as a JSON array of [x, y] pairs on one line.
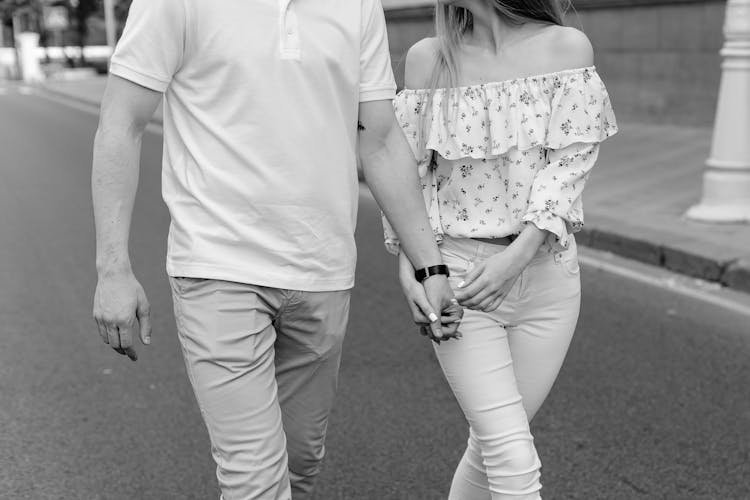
[[260, 127]]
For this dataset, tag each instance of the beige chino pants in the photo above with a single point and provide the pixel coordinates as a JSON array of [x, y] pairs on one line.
[[263, 363]]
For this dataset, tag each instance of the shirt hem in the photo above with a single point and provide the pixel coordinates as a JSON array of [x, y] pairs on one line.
[[138, 77], [270, 280], [387, 92]]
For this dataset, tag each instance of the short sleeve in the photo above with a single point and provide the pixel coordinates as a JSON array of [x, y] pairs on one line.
[[376, 80], [151, 48]]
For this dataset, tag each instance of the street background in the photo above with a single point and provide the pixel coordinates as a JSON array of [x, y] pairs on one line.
[[652, 403]]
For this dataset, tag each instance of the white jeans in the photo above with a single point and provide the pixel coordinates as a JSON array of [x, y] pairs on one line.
[[504, 366]]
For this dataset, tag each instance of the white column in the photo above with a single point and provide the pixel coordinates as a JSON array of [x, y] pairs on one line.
[[109, 23], [726, 181], [28, 45]]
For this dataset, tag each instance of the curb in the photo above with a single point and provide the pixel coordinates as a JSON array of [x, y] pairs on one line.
[[734, 273]]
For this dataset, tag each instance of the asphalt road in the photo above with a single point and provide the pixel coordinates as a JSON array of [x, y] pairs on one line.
[[653, 402]]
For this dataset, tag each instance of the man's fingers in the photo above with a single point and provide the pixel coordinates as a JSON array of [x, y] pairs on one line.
[[451, 331], [143, 312], [452, 313], [126, 335], [125, 346], [452, 317], [102, 330], [130, 352], [114, 337]]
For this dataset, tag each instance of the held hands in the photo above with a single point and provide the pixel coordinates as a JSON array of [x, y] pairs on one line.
[[118, 302], [488, 283], [426, 299]]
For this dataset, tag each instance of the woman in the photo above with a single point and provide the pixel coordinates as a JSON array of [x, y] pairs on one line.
[[505, 113]]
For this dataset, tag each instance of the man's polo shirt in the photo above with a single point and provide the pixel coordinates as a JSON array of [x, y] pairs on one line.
[[260, 129]]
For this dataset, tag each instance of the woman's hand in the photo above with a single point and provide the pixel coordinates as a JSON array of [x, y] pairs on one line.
[[485, 287]]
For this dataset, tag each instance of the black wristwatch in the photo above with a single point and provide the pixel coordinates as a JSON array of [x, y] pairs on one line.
[[426, 272]]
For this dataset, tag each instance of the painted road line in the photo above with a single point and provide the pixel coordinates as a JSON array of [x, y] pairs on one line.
[[704, 291]]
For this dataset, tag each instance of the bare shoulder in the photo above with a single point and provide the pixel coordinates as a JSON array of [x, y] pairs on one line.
[[420, 60], [566, 48]]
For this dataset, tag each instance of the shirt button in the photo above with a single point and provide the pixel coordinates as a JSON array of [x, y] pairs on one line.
[[290, 31]]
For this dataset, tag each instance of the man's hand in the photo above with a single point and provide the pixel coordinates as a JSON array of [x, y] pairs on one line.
[[118, 302]]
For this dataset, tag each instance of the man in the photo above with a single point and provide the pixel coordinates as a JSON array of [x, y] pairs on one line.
[[262, 105]]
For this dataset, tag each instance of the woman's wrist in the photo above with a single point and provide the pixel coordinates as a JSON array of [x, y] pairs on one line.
[[526, 245]]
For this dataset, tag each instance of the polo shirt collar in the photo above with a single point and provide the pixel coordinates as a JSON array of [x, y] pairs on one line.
[[289, 38]]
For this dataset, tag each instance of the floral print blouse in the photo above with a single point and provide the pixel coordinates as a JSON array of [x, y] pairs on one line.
[[507, 153]]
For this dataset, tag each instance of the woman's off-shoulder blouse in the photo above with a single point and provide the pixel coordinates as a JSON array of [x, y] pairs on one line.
[[506, 153]]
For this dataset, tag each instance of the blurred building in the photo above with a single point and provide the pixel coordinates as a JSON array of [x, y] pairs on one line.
[[68, 29], [659, 58]]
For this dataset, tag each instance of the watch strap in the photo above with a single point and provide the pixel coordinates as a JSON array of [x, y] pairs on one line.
[[426, 272]]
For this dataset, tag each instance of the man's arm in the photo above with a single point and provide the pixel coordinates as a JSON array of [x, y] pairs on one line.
[[119, 300], [391, 174]]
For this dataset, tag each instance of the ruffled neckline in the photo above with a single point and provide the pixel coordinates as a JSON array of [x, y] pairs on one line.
[[486, 120]]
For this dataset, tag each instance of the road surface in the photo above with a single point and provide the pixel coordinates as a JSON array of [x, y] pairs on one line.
[[652, 403]]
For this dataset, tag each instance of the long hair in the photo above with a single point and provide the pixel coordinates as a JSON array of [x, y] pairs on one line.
[[453, 23]]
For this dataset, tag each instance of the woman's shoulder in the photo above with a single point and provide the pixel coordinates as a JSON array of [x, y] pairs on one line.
[[558, 48], [420, 61]]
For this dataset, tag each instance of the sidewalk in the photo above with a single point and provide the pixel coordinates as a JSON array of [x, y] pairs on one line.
[[646, 178]]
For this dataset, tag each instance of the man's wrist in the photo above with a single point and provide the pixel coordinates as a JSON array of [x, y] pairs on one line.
[[113, 268]]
